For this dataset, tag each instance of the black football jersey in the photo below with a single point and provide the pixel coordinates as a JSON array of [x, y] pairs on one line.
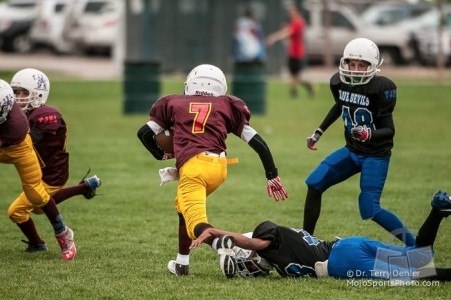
[[293, 252], [369, 105]]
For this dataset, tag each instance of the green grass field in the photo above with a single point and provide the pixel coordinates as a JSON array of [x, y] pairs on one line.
[[126, 235]]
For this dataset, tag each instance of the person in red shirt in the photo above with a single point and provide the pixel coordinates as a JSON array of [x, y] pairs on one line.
[[294, 32]]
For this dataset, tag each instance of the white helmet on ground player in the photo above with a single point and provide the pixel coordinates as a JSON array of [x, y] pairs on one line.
[[6, 100], [360, 49], [249, 263], [36, 83], [206, 80]]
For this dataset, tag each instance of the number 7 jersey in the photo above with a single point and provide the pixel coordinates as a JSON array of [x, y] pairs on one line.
[[200, 123]]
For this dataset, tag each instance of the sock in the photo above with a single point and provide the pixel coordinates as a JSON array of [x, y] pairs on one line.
[[69, 192], [184, 241], [29, 230], [312, 210], [182, 259], [393, 224], [54, 216], [428, 231]]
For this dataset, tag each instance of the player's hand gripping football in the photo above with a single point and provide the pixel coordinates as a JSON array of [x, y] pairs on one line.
[[361, 133], [314, 138], [276, 189]]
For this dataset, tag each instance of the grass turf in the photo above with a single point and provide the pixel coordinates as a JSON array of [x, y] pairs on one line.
[[126, 235]]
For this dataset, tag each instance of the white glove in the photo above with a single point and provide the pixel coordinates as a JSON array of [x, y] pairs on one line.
[[168, 174]]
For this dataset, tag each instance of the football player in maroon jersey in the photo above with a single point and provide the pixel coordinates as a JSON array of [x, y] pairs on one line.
[[16, 148], [200, 120], [48, 133]]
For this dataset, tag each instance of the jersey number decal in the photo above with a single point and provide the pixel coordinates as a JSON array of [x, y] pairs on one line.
[[201, 112], [362, 116]]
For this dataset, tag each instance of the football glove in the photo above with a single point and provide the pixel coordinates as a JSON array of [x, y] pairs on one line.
[[167, 156], [361, 133], [276, 189], [314, 138]]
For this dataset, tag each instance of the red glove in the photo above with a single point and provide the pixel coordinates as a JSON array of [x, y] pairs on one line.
[[311, 140], [275, 189], [361, 133]]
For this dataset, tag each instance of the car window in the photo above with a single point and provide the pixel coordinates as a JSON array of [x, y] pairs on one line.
[[59, 7], [94, 6], [336, 20]]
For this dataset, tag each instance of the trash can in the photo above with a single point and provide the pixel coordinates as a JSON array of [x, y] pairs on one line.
[[249, 84], [141, 86]]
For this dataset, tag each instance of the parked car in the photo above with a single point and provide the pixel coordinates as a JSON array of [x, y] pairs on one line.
[[428, 39], [48, 28], [95, 25], [16, 18], [391, 13], [395, 44]]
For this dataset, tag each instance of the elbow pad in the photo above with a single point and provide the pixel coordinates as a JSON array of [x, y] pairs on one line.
[[262, 149], [145, 135]]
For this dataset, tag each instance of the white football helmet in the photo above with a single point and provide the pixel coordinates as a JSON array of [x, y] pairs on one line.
[[206, 80], [360, 49], [6, 100], [249, 263], [36, 83]]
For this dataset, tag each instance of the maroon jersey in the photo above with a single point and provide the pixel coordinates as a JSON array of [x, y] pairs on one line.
[[200, 123], [14, 130], [48, 132]]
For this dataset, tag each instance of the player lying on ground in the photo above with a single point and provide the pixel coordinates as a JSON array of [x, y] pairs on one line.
[[295, 253]]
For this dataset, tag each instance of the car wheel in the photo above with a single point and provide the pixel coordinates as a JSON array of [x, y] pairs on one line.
[[22, 43], [390, 56]]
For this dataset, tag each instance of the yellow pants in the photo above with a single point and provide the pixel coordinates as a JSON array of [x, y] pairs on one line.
[[27, 165], [199, 177]]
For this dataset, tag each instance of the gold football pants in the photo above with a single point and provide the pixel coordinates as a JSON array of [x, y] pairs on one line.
[[200, 176], [27, 165]]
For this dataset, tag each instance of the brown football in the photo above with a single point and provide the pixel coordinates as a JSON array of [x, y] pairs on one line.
[[164, 141]]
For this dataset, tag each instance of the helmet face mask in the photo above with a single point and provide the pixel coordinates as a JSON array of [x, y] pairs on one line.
[[249, 263], [6, 100], [206, 80], [360, 49], [36, 83]]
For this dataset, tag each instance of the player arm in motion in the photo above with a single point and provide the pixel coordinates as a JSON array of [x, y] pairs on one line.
[[333, 114], [239, 239], [255, 141], [146, 135]]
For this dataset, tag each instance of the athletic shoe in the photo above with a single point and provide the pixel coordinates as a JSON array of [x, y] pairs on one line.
[[223, 245], [227, 262], [67, 245], [442, 202], [178, 269], [228, 265], [35, 247], [92, 183]]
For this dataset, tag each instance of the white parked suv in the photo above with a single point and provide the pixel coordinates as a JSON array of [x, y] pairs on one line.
[[48, 28], [93, 25], [395, 44]]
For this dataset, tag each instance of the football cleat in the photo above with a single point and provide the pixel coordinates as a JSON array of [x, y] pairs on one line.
[[67, 245], [178, 269], [91, 183], [223, 245], [228, 265], [35, 247], [442, 202]]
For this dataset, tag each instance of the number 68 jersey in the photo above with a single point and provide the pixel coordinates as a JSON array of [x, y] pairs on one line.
[[200, 123], [369, 105]]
